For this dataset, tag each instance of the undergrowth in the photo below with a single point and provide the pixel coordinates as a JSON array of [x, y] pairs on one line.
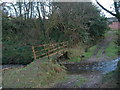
[[75, 52]]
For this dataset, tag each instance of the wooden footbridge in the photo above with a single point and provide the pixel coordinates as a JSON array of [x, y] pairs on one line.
[[47, 50]]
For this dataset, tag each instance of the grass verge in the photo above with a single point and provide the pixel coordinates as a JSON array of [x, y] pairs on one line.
[[112, 50]]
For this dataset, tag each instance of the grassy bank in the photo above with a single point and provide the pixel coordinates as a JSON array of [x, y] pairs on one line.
[[110, 80], [35, 75], [39, 74], [75, 52]]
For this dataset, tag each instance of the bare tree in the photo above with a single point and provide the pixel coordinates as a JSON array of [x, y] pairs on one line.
[[31, 6], [41, 14], [15, 9]]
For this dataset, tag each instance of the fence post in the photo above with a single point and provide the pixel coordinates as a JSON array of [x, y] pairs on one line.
[[63, 44], [48, 51], [34, 52], [57, 48]]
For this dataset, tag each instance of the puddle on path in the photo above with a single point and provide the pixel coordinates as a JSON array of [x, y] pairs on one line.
[[103, 67]]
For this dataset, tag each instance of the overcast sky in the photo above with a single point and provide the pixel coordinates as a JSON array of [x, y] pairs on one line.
[[106, 3]]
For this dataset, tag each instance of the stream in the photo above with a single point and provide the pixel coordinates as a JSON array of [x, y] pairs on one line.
[[77, 68], [103, 67]]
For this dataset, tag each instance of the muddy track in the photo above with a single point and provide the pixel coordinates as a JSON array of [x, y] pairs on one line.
[[104, 43], [94, 81], [94, 78]]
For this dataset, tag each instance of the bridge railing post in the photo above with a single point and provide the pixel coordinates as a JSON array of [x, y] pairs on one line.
[[33, 49], [48, 51]]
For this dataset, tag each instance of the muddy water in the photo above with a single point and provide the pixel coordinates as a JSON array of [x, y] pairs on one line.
[[11, 66], [78, 68], [103, 67]]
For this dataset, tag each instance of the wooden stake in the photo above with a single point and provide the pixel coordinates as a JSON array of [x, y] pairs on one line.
[[34, 52]]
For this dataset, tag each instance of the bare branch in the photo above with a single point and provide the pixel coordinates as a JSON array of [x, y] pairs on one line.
[[105, 9]]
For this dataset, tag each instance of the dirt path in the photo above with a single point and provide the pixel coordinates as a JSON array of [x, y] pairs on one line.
[[94, 81], [104, 43], [101, 46], [69, 83], [94, 78]]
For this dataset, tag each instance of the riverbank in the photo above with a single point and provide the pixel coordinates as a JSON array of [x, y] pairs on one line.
[[35, 75]]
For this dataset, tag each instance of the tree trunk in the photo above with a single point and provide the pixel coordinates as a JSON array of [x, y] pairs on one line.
[[41, 21]]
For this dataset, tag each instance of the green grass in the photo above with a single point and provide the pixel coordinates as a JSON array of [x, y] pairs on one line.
[[110, 79], [35, 75], [111, 50], [75, 53], [99, 53], [75, 59], [90, 52]]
